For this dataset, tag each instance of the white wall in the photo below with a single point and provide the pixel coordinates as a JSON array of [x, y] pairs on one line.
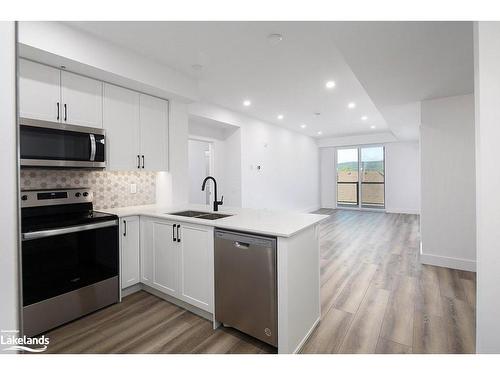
[[199, 168], [328, 177], [447, 220], [487, 94], [178, 154], [232, 167], [289, 174], [402, 177], [9, 306]]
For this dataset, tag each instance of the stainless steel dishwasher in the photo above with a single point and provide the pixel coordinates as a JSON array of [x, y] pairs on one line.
[[246, 296]]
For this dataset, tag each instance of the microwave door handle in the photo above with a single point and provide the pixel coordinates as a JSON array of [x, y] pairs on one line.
[[92, 147]]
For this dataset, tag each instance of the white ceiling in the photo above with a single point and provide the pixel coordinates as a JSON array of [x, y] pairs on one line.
[[403, 62], [395, 62]]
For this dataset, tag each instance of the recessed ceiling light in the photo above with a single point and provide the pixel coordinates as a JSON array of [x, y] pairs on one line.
[[320, 132], [247, 103], [280, 117], [364, 118], [351, 105], [330, 84], [372, 127], [274, 39], [303, 126]]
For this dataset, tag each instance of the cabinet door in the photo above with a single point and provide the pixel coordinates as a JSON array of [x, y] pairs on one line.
[[154, 133], [39, 91], [129, 229], [146, 251], [165, 258], [197, 264], [121, 122], [81, 99]]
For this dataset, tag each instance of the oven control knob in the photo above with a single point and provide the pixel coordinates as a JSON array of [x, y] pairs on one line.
[[85, 194], [24, 197], [77, 195]]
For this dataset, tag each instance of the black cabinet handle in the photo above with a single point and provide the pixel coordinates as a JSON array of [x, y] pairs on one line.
[[65, 112], [124, 228], [138, 161], [57, 111], [173, 233], [178, 237], [142, 161]]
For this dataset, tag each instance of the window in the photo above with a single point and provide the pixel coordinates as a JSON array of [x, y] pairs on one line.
[[361, 177]]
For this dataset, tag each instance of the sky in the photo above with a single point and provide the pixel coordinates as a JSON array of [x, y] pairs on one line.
[[345, 155]]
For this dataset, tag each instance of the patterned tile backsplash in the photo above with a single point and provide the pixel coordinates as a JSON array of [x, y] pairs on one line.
[[111, 189]]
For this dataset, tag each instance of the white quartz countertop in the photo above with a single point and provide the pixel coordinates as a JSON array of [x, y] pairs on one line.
[[263, 221]]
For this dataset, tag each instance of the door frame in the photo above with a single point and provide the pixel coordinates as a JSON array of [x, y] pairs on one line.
[[360, 187], [211, 149]]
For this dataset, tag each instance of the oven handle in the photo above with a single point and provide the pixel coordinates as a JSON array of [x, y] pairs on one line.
[[56, 232]]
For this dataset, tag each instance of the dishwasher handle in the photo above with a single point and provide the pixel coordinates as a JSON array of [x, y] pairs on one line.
[[244, 240], [241, 245]]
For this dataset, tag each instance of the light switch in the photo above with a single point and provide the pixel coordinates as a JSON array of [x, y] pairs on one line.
[[133, 188]]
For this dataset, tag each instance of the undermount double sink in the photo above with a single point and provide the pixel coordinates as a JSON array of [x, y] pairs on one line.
[[200, 215]]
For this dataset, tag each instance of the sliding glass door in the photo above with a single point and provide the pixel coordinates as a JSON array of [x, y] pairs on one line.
[[361, 177], [372, 177], [347, 177]]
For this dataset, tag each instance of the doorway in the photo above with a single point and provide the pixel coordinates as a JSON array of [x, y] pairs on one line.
[[200, 155], [361, 177]]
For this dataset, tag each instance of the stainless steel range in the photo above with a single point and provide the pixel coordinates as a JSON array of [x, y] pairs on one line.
[[69, 258]]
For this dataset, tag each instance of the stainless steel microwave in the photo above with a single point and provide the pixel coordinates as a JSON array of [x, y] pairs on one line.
[[52, 144]]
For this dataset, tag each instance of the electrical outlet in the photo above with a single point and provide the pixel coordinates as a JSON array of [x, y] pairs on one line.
[[133, 188]]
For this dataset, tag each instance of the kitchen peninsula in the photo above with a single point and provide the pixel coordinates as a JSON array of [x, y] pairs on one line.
[[172, 257]]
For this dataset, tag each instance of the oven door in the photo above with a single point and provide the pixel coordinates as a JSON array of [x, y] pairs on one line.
[[52, 144], [62, 260]]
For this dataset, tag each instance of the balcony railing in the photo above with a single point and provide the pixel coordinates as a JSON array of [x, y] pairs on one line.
[[372, 194]]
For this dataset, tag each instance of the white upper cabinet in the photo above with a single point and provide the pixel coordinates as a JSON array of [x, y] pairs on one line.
[[136, 130], [129, 254], [50, 94], [39, 91], [154, 133], [81, 99], [136, 124], [122, 123]]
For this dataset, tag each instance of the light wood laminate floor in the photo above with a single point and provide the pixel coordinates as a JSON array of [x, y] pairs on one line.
[[375, 298]]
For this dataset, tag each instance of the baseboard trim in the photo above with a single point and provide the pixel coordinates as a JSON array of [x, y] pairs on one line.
[[310, 209], [408, 211], [178, 302], [186, 306], [448, 262], [131, 290], [309, 333]]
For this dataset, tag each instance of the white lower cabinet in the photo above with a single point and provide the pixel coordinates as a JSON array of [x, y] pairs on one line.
[[147, 248], [177, 259], [197, 265], [165, 259], [129, 251]]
